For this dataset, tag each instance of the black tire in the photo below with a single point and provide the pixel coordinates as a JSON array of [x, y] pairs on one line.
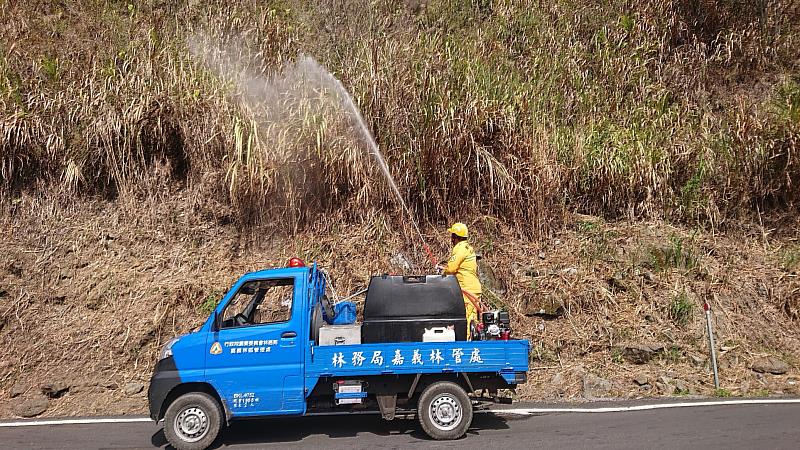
[[444, 411], [189, 411], [327, 304], [316, 323]]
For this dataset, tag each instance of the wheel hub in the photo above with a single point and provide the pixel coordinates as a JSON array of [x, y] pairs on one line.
[[446, 412], [191, 424]]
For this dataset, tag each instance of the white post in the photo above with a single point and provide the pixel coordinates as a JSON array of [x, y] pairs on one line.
[[710, 328]]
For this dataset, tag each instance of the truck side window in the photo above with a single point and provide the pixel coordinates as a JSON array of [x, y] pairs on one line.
[[260, 302]]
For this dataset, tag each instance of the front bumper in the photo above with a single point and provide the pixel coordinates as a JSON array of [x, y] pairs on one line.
[[165, 378]]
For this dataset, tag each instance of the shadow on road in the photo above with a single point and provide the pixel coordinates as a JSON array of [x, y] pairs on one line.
[[297, 429]]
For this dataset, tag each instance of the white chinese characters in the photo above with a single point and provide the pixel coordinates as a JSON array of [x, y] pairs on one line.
[[398, 359], [358, 358], [245, 400], [475, 357], [410, 357], [250, 346]]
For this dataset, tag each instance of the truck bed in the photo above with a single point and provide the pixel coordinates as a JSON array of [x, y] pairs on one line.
[[503, 357]]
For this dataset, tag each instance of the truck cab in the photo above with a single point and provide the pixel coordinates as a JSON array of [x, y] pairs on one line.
[[259, 354]]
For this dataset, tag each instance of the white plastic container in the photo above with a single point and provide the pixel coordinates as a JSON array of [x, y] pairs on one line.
[[439, 334], [340, 334]]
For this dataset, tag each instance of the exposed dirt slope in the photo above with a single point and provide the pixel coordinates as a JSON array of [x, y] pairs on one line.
[[90, 292]]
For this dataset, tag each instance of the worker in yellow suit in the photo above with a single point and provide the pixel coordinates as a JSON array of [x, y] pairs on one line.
[[463, 263]]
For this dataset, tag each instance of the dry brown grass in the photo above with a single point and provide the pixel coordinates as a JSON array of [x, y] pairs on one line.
[[678, 110], [91, 292], [137, 183]]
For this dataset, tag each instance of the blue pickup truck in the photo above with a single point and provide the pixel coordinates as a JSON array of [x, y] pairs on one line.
[[259, 354]]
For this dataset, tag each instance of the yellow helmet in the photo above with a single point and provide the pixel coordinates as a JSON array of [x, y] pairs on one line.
[[459, 229]]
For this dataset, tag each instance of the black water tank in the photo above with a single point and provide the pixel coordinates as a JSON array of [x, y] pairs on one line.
[[398, 309]]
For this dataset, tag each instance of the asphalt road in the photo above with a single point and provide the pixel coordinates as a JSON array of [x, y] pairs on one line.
[[724, 427]]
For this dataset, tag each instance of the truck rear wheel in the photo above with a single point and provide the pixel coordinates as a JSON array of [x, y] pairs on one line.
[[444, 411], [193, 421]]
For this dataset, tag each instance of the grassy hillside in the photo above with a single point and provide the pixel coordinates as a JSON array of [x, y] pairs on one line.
[[618, 162], [685, 110]]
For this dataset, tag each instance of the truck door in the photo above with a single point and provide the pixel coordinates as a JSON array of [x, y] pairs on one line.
[[255, 357]]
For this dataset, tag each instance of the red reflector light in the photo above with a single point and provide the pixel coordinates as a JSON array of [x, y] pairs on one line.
[[295, 262]]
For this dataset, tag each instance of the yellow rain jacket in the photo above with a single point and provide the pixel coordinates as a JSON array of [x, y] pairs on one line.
[[464, 264]]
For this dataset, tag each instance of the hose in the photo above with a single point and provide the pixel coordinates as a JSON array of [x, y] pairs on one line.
[[353, 295], [479, 306]]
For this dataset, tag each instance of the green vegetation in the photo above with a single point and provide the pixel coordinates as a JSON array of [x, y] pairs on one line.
[[616, 356], [763, 392], [587, 227], [208, 304], [597, 243], [722, 393], [673, 354], [521, 110], [677, 255], [681, 309], [790, 260]]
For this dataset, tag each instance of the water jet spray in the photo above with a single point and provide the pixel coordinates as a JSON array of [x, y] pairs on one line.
[[355, 113], [261, 92]]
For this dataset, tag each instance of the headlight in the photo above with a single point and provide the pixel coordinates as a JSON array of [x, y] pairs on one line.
[[166, 352]]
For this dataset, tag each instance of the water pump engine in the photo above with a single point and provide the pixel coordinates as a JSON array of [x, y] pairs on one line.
[[495, 325]]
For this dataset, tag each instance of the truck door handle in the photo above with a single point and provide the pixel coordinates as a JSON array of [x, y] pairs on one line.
[[288, 334]]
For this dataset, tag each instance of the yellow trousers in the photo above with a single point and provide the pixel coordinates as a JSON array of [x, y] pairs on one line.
[[472, 313]]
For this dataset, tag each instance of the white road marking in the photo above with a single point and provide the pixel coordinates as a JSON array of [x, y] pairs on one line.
[[610, 409], [34, 422], [515, 411]]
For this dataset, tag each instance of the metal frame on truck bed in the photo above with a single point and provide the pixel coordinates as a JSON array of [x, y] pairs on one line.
[[232, 368]]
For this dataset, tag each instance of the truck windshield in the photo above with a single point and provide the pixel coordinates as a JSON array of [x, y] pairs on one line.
[[260, 302]]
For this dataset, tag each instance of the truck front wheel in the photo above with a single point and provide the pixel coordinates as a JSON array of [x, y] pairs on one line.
[[193, 421], [444, 411]]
